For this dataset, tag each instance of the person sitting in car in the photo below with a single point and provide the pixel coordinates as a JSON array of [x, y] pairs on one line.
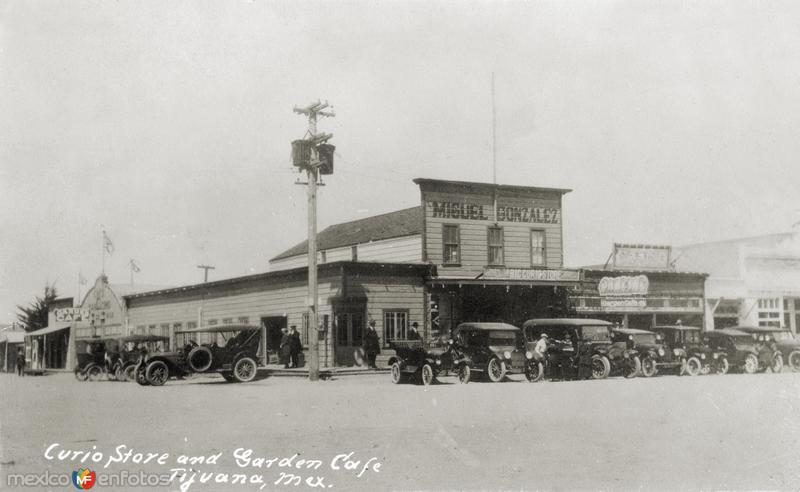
[[413, 334]]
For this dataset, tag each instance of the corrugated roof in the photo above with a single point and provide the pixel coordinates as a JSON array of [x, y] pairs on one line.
[[401, 223]]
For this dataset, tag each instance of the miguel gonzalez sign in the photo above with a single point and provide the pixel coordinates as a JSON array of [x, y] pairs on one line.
[[471, 211]]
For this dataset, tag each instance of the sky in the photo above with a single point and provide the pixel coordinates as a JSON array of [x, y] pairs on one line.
[[168, 124]]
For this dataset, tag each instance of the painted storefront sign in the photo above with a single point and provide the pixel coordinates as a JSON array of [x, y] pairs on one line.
[[532, 274], [472, 211]]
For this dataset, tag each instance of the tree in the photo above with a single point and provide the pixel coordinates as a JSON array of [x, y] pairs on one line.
[[34, 316]]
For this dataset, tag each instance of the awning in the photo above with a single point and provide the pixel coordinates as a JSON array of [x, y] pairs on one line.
[[12, 337], [46, 330]]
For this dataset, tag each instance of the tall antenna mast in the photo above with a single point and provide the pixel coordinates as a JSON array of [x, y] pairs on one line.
[[494, 152]]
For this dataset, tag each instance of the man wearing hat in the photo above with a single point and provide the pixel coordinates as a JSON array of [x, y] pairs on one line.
[[413, 334], [372, 344], [541, 345]]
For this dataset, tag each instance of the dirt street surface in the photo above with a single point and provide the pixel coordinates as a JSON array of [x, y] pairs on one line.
[[666, 433]]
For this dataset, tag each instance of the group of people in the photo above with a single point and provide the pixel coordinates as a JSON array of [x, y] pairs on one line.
[[290, 347], [372, 342], [583, 351]]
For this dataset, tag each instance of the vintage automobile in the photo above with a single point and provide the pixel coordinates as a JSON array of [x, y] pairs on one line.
[[739, 348], [650, 350], [567, 337], [412, 360], [234, 357], [685, 343], [134, 347], [98, 358], [789, 347], [769, 354], [493, 349]]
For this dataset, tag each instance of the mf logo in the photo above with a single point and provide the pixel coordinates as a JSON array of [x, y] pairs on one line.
[[83, 479]]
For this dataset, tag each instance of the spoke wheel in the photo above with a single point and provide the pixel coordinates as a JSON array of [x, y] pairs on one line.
[[750, 364], [649, 367], [601, 367], [723, 366], [427, 374], [244, 370], [397, 374], [141, 374], [80, 375], [157, 373], [496, 370], [129, 373], [119, 374], [693, 366], [794, 360], [93, 373], [534, 371], [636, 366], [464, 374]]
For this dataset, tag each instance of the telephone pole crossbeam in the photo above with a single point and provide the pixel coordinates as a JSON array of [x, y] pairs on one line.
[[205, 274]]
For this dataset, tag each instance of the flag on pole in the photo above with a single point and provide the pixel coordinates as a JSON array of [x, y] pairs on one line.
[[135, 266], [109, 246], [81, 279]]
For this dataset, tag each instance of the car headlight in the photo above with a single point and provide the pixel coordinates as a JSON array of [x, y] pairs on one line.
[[507, 354], [529, 355], [661, 352], [716, 356], [702, 356], [676, 352], [438, 362]]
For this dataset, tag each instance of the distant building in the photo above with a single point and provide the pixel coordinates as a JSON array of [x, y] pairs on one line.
[[753, 280]]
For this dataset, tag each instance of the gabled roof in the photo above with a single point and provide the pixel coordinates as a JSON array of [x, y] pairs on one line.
[[401, 223]]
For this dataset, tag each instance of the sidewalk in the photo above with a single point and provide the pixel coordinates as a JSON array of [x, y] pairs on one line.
[[324, 372]]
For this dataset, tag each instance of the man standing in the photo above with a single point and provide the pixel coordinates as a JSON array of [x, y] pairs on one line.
[[20, 362], [284, 350], [413, 334], [295, 346], [585, 359], [372, 344]]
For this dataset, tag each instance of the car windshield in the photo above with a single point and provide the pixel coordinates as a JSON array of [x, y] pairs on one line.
[[646, 338], [502, 338], [691, 336], [743, 343], [596, 333]]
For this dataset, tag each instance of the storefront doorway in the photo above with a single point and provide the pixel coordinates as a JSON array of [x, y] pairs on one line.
[[349, 327], [274, 325]]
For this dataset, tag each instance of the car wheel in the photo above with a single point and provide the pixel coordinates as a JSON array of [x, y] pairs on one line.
[[693, 366], [80, 375], [777, 364], [93, 373], [397, 373], [129, 373], [794, 361], [601, 367], [723, 366], [141, 374], [157, 373], [496, 370], [200, 358], [634, 367], [534, 371], [427, 374], [464, 374], [649, 368], [750, 364], [245, 369], [119, 374]]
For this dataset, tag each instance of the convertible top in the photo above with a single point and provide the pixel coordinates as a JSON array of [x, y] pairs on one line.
[[566, 322], [676, 327], [730, 332], [144, 338], [487, 327], [221, 328], [633, 331]]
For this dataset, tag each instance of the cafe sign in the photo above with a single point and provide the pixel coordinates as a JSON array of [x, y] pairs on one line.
[[72, 314], [532, 274], [623, 286]]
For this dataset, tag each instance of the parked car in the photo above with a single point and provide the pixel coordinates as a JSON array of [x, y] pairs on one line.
[[235, 359], [569, 336], [685, 344], [652, 352], [493, 349], [412, 360], [789, 346], [99, 358], [133, 347], [769, 355], [739, 348]]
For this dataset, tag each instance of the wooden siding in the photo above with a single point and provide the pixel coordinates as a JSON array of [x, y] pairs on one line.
[[474, 233], [406, 249]]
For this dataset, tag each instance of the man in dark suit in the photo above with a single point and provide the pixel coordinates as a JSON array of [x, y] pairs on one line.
[[413, 334], [296, 346], [285, 349], [372, 344]]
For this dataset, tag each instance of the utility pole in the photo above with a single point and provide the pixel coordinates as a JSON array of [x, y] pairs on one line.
[[206, 268], [311, 163]]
